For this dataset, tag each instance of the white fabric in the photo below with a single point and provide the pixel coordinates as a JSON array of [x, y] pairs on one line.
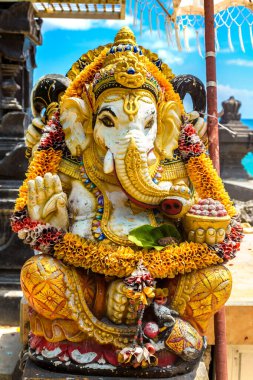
[[181, 18], [196, 7]]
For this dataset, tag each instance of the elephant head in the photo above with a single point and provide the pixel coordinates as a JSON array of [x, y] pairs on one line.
[[131, 133], [123, 112]]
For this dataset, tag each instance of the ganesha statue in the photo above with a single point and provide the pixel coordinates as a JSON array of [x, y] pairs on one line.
[[129, 221]]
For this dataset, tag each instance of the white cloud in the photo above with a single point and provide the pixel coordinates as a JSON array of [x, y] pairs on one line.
[[240, 62], [243, 94], [84, 24], [116, 24], [169, 57], [224, 51], [146, 39], [161, 47], [160, 42], [237, 92]]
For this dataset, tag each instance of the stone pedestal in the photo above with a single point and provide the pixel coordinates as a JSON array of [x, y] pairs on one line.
[[32, 372], [20, 33]]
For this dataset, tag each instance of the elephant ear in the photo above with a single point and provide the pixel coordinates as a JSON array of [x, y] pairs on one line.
[[76, 121], [46, 95], [169, 124]]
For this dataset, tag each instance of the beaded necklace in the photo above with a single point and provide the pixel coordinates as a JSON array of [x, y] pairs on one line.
[[91, 187], [158, 175]]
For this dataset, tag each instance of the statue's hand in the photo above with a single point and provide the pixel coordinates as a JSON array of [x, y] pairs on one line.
[[47, 202], [199, 124], [206, 222], [33, 134], [210, 235]]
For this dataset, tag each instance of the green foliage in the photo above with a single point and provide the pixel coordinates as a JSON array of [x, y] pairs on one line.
[[147, 236]]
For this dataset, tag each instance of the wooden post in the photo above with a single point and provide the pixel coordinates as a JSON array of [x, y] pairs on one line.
[[212, 122], [213, 136]]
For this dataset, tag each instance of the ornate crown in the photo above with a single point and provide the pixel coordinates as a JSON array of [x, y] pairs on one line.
[[124, 67]]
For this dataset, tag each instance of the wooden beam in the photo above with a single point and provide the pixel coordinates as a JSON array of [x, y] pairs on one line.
[[80, 15], [123, 10], [116, 2]]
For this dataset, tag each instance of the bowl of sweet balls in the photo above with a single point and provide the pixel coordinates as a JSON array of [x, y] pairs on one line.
[[206, 213]]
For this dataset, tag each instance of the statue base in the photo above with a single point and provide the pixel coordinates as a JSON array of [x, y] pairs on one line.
[[32, 372]]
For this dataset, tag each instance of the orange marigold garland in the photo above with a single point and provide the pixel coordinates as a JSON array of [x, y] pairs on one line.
[[200, 169], [46, 159], [140, 289], [105, 257], [39, 235], [76, 89], [113, 260], [207, 182], [170, 94], [209, 185]]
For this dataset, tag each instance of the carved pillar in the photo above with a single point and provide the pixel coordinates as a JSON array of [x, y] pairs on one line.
[[20, 33], [235, 141]]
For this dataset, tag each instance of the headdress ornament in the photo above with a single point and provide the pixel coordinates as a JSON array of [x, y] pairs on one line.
[[124, 67]]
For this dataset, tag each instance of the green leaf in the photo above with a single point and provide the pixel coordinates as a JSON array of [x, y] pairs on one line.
[[147, 236]]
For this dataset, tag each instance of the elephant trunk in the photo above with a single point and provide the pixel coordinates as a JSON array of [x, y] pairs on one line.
[[131, 164]]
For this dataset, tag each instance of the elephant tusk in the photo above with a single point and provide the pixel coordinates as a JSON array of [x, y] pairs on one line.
[[151, 158], [108, 162]]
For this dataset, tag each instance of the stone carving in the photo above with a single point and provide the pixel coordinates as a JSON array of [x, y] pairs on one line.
[[231, 108], [130, 221], [235, 142], [20, 33]]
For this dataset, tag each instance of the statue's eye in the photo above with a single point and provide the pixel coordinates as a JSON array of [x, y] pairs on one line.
[[107, 121], [149, 124]]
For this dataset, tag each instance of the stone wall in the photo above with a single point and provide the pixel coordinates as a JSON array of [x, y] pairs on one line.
[[20, 33]]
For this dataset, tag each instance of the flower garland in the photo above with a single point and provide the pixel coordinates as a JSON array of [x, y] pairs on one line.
[[140, 289], [190, 144], [207, 182], [228, 248], [40, 236], [169, 93], [46, 159], [76, 88], [200, 169], [112, 260], [107, 258]]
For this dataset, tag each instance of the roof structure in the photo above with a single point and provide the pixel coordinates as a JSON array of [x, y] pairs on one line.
[[86, 9]]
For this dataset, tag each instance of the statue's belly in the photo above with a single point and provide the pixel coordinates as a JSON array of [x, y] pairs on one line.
[[81, 205], [122, 219]]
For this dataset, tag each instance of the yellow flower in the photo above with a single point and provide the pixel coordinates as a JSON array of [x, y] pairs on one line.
[[207, 183], [76, 88], [159, 292], [169, 94], [149, 292]]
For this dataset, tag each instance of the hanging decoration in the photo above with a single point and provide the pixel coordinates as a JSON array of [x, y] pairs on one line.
[[183, 20]]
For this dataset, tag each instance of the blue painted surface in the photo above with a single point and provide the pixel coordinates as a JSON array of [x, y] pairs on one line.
[[247, 161]]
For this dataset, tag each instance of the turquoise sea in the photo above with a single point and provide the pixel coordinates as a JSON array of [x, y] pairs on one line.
[[248, 122], [247, 161]]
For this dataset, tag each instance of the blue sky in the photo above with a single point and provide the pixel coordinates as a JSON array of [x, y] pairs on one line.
[[64, 41]]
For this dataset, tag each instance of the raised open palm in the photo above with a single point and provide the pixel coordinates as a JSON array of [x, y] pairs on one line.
[[47, 202]]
